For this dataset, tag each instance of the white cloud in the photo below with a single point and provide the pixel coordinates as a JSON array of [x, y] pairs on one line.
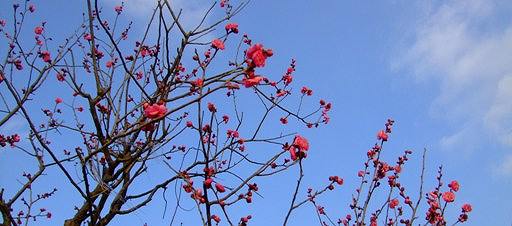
[[505, 167], [464, 46], [499, 116]]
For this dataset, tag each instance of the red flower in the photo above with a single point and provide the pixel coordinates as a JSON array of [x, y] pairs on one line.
[[393, 203], [232, 27], [139, 75], [189, 124], [208, 182], [218, 44], [250, 82], [60, 77], [454, 185], [216, 218], [119, 9], [301, 143], [38, 30], [58, 100], [281, 93], [398, 169], [154, 110], [232, 133], [339, 181], [46, 56], [211, 107], [257, 55], [197, 83], [245, 219], [39, 42], [287, 79], [336, 179], [98, 53], [381, 135], [220, 188], [88, 37], [109, 64], [306, 91], [15, 138], [467, 208], [32, 8], [448, 196], [299, 146]]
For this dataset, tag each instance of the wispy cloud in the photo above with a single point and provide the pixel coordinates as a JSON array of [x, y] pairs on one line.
[[505, 167], [466, 48]]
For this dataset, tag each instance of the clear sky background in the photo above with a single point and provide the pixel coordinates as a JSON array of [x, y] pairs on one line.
[[441, 69]]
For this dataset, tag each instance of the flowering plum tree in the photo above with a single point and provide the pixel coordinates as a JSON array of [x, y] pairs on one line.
[[389, 211], [195, 102]]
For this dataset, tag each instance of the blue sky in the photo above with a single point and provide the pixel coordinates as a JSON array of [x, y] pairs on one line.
[[441, 69]]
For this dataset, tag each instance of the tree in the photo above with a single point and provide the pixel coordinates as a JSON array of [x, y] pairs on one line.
[[194, 99]]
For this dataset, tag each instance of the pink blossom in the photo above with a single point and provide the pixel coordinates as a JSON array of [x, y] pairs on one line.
[[38, 30], [218, 44]]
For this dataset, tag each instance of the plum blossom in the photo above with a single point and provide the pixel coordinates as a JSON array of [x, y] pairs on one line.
[[257, 55], [154, 110], [218, 44]]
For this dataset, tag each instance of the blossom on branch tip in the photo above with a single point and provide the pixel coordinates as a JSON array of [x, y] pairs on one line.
[[232, 27], [381, 135], [448, 196], [211, 107], [467, 208], [220, 188], [393, 203], [118, 9], [218, 44], [197, 83], [45, 55], [154, 110], [225, 119], [306, 91], [32, 8], [38, 30], [250, 82], [454, 185], [88, 37], [110, 63], [208, 183], [61, 77], [299, 147], [256, 55], [216, 218]]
